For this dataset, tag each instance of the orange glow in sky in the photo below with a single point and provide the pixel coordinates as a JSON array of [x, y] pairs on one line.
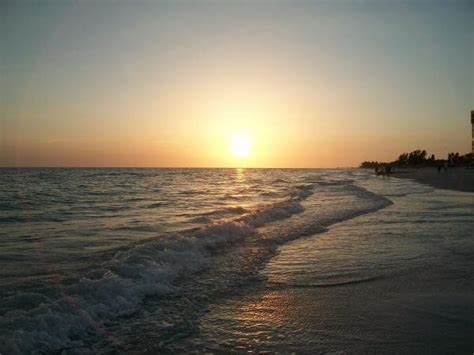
[[222, 84]]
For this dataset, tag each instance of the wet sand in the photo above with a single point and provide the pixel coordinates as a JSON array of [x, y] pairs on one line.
[[459, 179], [411, 290], [382, 317]]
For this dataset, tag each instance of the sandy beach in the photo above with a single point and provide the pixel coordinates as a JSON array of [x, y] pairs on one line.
[[459, 179], [385, 282]]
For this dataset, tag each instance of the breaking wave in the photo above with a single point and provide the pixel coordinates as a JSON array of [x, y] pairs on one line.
[[54, 318], [61, 315]]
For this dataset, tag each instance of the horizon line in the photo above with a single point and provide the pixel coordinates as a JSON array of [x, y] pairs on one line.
[[168, 167]]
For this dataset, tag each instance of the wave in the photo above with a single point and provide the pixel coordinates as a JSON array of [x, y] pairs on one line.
[[26, 218], [331, 284], [335, 182], [270, 194], [139, 228], [50, 320], [223, 211], [154, 205], [118, 208], [209, 217], [279, 181], [119, 173], [57, 317]]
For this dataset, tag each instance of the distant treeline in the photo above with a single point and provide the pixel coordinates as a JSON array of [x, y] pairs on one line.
[[419, 158]]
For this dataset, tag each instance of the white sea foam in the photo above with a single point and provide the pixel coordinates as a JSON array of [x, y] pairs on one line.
[[36, 322], [56, 317]]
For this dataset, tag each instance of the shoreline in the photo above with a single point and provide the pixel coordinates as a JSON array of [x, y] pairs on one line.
[[458, 179], [389, 310]]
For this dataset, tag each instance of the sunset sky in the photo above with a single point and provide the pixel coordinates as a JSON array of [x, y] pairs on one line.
[[169, 83]]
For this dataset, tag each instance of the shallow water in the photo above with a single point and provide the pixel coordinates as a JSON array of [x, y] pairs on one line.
[[398, 280], [229, 259]]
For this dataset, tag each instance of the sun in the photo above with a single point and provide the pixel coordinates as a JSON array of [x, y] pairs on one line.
[[240, 145]]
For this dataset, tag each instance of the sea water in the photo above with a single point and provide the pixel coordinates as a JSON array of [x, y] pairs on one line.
[[99, 260]]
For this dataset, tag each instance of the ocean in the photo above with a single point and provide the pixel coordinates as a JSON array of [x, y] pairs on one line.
[[232, 260]]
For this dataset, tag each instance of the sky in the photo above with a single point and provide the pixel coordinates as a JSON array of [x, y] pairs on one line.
[[168, 83]]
